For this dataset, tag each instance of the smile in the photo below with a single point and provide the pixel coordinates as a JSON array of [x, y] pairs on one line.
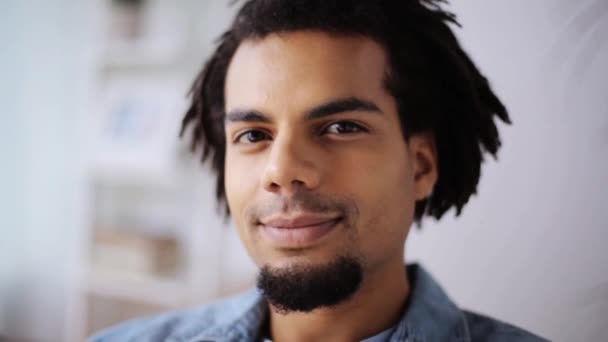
[[297, 232]]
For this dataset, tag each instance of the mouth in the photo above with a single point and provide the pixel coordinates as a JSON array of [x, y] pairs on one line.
[[300, 231]]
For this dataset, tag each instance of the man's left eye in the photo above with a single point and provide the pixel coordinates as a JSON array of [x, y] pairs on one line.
[[343, 127]]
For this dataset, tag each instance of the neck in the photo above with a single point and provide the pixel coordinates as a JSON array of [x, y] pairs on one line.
[[375, 307]]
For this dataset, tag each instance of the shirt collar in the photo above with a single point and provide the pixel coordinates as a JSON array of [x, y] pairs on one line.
[[430, 315]]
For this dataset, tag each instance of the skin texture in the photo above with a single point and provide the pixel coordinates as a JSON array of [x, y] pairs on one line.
[[357, 162]]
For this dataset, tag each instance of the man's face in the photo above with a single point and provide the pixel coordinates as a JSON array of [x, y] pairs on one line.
[[316, 163]]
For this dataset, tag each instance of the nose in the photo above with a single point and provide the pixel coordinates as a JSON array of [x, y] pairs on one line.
[[290, 167]]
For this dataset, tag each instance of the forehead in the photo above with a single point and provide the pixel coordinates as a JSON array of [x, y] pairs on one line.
[[303, 68]]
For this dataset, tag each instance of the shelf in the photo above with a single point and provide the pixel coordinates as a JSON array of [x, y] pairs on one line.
[[167, 293], [149, 176]]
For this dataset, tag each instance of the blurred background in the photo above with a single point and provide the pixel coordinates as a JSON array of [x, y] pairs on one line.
[[104, 214]]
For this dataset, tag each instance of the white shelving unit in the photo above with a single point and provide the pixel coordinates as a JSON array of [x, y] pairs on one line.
[[145, 190]]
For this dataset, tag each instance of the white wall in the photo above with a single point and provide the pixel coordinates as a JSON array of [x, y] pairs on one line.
[[530, 248], [42, 95]]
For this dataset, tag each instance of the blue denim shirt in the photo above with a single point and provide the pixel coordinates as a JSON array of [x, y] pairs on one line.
[[430, 316]]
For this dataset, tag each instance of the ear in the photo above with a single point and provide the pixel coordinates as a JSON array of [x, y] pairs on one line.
[[423, 154]]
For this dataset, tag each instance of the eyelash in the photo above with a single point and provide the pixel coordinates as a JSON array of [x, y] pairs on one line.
[[357, 129]]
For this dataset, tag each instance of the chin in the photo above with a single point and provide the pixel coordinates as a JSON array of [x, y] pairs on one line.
[[284, 258]]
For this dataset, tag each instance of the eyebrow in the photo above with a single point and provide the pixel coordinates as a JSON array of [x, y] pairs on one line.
[[350, 104], [246, 116]]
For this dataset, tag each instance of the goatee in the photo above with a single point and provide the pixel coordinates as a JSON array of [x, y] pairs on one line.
[[304, 288]]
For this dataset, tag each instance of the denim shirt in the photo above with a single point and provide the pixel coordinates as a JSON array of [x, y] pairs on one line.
[[430, 316]]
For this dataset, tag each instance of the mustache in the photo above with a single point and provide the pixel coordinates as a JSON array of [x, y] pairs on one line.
[[303, 201]]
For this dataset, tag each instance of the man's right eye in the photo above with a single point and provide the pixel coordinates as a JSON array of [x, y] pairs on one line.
[[251, 137]]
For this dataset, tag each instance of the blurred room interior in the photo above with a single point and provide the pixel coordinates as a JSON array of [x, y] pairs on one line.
[[106, 215]]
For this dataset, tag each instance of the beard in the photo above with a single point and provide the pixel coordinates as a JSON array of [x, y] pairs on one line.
[[304, 288]]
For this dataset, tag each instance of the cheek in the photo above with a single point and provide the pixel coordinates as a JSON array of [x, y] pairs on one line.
[[240, 188], [383, 188], [239, 185]]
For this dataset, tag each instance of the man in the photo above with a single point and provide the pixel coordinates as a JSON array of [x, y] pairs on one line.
[[333, 125]]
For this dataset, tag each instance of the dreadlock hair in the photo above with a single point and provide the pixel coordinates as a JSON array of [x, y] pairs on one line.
[[437, 88]]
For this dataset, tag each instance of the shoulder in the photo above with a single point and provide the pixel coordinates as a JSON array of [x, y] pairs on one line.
[[484, 328], [214, 319]]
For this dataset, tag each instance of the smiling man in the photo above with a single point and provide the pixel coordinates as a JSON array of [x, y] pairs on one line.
[[334, 126]]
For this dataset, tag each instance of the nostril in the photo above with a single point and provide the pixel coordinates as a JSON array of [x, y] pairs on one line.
[[274, 186], [297, 182]]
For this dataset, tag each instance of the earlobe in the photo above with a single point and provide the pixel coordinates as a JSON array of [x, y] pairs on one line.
[[424, 158]]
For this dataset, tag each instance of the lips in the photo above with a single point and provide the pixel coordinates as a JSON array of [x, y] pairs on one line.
[[298, 231], [295, 222]]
